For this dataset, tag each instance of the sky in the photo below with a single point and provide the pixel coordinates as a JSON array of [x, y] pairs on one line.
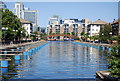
[[106, 11]]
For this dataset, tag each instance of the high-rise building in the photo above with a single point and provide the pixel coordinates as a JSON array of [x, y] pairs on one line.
[[55, 20], [31, 15], [2, 5], [18, 10], [25, 8]]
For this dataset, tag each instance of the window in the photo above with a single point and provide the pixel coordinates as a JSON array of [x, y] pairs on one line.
[[97, 25], [96, 29], [92, 29], [92, 34]]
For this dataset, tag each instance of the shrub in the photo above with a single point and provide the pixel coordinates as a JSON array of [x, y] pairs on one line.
[[114, 61]]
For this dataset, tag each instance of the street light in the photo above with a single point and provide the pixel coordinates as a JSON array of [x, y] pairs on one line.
[[14, 34], [4, 28], [110, 37], [101, 39], [21, 35]]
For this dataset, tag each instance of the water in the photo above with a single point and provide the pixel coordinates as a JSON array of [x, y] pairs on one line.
[[59, 60]]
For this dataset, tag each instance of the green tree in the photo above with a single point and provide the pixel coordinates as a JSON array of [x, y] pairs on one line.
[[114, 61], [34, 35], [82, 34], [50, 32], [11, 22], [104, 33], [90, 38], [42, 35], [73, 33]]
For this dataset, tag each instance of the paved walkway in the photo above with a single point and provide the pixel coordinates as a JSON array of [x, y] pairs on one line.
[[16, 45], [98, 44]]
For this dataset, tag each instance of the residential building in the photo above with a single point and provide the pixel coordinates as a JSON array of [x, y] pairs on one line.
[[94, 28], [19, 10], [41, 29], [3, 5], [27, 26], [68, 27], [85, 23], [116, 27], [31, 16]]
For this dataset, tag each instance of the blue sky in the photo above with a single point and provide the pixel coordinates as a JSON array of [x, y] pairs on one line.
[[106, 11]]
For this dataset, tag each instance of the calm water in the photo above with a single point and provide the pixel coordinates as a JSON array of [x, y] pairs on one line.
[[59, 60]]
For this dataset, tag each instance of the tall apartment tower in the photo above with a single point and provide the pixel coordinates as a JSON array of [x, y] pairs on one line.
[[55, 19], [19, 10], [31, 16], [3, 5]]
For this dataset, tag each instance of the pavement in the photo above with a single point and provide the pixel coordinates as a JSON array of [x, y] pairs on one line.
[[97, 44], [16, 45]]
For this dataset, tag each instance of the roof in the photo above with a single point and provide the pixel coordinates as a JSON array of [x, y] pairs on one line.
[[115, 21], [24, 21], [99, 22]]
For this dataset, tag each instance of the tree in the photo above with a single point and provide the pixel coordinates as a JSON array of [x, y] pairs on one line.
[[73, 33], [13, 25], [90, 38], [114, 61], [104, 33], [84, 36], [42, 35]]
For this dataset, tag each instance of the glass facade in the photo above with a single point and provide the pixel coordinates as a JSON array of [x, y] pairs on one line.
[[30, 16]]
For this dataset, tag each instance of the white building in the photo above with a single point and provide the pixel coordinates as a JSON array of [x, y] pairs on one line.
[[27, 26], [94, 28], [18, 10]]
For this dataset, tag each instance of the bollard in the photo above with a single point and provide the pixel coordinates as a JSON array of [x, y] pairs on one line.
[[109, 49], [4, 63], [4, 70], [98, 47], [5, 52], [17, 57], [18, 48], [12, 50], [17, 62], [103, 48], [21, 47], [25, 56], [24, 53]]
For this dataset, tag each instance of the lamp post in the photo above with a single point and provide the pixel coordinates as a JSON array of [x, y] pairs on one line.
[[14, 34], [110, 37], [4, 29], [97, 37], [21, 36], [101, 39]]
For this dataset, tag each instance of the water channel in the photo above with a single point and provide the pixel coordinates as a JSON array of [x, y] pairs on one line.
[[59, 60]]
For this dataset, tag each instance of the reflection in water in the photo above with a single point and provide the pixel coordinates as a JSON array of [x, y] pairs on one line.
[[60, 60]]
